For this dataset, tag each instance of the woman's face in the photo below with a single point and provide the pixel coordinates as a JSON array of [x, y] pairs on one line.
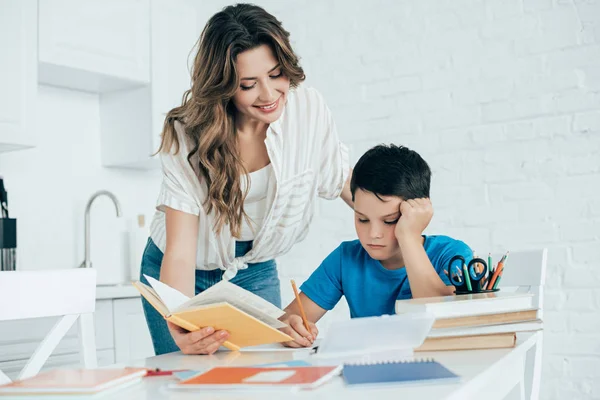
[[263, 88]]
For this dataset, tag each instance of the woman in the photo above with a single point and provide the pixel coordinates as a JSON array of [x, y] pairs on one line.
[[244, 158]]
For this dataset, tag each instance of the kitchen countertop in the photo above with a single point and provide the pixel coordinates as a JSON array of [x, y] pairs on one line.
[[121, 291]]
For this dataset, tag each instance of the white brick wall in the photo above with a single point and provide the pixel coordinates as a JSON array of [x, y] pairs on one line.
[[501, 97]]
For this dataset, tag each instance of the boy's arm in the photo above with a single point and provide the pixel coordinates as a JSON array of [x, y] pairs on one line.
[[321, 292], [296, 328], [423, 279], [313, 312]]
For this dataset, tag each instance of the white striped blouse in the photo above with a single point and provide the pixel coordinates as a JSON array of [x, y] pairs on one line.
[[308, 161]]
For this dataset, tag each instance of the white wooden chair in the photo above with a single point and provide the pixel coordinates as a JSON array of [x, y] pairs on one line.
[[526, 272], [69, 294]]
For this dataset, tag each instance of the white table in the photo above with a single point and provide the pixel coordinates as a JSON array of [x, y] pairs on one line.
[[493, 372]]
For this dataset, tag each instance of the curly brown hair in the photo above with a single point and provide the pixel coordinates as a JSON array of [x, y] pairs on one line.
[[207, 112]]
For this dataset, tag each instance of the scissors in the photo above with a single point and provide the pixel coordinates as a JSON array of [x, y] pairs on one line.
[[467, 278]]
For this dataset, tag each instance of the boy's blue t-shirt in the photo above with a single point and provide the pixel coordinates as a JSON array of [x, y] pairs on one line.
[[370, 289]]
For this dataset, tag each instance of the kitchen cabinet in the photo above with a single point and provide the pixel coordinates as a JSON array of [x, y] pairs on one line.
[[18, 73], [132, 121], [94, 45], [135, 53], [132, 338]]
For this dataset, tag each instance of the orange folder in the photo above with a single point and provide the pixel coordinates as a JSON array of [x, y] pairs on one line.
[[247, 377]]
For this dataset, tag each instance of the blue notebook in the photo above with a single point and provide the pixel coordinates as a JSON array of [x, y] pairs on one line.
[[419, 371]]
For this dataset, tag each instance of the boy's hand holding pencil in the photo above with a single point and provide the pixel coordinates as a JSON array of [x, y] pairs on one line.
[[303, 331], [297, 330]]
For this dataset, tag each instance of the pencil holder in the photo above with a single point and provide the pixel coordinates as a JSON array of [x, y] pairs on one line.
[[8, 244], [474, 276], [475, 291]]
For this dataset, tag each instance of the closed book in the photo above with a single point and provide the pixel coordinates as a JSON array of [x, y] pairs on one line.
[[526, 326], [249, 319], [493, 341], [399, 372], [467, 304], [485, 319], [75, 382], [234, 378]]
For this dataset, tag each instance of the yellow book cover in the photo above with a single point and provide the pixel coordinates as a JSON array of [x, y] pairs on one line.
[[249, 319]]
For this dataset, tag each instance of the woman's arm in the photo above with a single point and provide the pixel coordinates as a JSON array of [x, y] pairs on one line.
[[179, 261], [178, 271]]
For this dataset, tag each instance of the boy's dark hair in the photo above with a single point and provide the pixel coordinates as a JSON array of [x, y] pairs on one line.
[[390, 170]]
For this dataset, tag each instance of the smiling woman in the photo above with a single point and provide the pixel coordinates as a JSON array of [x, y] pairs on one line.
[[244, 158]]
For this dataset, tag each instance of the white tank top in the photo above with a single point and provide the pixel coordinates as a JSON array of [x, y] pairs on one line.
[[257, 203]]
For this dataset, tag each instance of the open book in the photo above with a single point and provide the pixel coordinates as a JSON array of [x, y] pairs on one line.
[[249, 319]]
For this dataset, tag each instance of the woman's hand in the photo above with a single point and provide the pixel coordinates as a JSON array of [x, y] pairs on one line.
[[297, 330], [203, 341]]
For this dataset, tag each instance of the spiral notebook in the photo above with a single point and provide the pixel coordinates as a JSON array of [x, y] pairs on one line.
[[425, 371]]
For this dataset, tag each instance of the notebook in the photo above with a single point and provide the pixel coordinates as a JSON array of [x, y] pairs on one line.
[[234, 378], [249, 319], [74, 382], [399, 372], [467, 304]]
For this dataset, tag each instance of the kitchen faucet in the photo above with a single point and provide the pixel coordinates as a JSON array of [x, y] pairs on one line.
[[87, 263]]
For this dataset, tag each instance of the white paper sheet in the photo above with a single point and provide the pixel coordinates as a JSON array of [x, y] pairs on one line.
[[270, 376], [396, 336], [171, 298], [280, 348]]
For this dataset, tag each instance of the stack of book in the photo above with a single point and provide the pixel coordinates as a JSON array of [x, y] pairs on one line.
[[475, 321]]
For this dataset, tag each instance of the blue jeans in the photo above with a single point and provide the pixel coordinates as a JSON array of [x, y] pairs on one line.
[[259, 278]]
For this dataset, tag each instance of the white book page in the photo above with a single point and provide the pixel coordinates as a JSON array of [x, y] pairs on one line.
[[227, 292], [171, 298]]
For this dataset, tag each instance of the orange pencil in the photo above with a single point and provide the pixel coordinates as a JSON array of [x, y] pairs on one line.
[[302, 314], [497, 272]]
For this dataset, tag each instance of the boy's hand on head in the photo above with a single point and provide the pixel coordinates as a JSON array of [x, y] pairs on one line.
[[297, 330], [415, 216]]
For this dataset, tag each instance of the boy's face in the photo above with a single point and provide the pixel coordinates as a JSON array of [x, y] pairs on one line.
[[375, 221]]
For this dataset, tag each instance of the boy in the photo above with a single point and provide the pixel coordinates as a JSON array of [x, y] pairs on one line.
[[391, 259]]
